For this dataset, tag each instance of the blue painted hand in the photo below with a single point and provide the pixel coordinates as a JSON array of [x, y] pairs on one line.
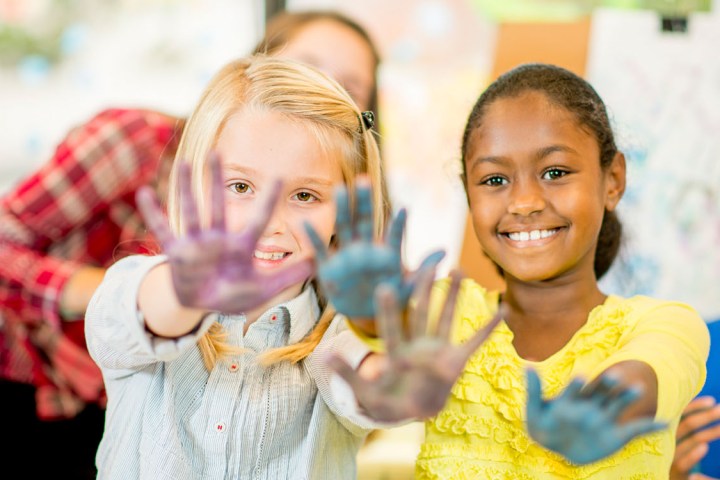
[[350, 275], [581, 423]]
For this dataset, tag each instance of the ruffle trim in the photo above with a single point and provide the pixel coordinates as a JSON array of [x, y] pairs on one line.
[[495, 374]]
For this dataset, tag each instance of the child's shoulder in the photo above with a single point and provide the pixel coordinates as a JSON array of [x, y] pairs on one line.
[[641, 310]]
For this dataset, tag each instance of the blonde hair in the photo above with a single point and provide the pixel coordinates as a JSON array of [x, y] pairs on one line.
[[304, 94]]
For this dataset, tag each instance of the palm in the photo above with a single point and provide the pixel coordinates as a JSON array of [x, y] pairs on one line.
[[419, 370], [212, 268], [351, 276], [582, 424]]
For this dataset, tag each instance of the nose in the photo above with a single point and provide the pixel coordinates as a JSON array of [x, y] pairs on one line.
[[526, 197], [278, 220]]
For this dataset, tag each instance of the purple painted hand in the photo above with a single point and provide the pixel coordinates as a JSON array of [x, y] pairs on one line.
[[415, 376], [581, 423], [212, 268]]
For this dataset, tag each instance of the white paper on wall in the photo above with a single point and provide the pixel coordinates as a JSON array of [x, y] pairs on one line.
[[663, 92]]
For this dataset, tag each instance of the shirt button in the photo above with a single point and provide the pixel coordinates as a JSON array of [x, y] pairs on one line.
[[233, 367], [219, 427]]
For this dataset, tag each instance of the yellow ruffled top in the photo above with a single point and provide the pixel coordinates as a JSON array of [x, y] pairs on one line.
[[481, 433]]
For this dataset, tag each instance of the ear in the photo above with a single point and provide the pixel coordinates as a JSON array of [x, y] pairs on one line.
[[615, 181]]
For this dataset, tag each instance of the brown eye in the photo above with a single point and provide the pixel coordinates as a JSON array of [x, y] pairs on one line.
[[240, 187], [494, 181], [306, 197], [554, 173]]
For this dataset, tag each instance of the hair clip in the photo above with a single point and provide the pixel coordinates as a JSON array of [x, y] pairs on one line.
[[368, 119]]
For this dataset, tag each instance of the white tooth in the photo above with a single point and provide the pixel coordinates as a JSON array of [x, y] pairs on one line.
[[524, 236], [535, 235], [268, 255], [514, 236]]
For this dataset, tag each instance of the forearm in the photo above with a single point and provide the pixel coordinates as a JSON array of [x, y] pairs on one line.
[[78, 291], [163, 313], [637, 374]]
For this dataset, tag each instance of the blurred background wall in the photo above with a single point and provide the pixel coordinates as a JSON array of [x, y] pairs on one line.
[[63, 60]]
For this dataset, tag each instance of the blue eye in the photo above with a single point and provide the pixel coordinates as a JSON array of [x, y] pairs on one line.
[[494, 181], [554, 174]]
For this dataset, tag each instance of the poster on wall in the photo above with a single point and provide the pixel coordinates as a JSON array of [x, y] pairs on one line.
[[662, 90]]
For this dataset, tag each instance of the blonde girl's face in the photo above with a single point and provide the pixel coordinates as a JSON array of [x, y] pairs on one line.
[[536, 189], [257, 148]]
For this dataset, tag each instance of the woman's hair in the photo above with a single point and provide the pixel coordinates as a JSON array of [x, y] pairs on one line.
[[303, 94], [282, 28], [574, 94]]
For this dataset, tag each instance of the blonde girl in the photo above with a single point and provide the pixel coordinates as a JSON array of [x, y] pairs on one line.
[[213, 353]]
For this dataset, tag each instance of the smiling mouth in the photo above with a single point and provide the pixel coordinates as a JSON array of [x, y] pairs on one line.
[[527, 236], [271, 256]]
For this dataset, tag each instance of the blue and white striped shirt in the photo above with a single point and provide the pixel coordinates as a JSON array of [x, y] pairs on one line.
[[169, 418]]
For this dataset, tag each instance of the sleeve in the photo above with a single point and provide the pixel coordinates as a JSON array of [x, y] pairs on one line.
[[115, 329], [96, 164], [674, 341], [336, 393]]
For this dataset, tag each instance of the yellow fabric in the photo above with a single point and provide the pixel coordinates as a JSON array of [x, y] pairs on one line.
[[375, 344], [481, 434]]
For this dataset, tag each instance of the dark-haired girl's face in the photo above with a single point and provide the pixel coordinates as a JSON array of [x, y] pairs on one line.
[[536, 189]]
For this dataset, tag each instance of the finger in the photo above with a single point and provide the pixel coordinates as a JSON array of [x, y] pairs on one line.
[[639, 427], [260, 221], [684, 462], [697, 416], [574, 388], [699, 404], [288, 276], [343, 222], [535, 401], [600, 389], [151, 212], [479, 338], [389, 320], [700, 476], [419, 314], [347, 373], [397, 229], [429, 263], [321, 252], [364, 208], [217, 192], [446, 316], [702, 433], [188, 207], [622, 401]]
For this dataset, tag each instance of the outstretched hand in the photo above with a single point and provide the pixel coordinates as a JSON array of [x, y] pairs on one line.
[[350, 276], [416, 374], [212, 268], [699, 426], [581, 424]]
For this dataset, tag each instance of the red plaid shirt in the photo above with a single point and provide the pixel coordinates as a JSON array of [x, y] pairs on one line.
[[78, 209]]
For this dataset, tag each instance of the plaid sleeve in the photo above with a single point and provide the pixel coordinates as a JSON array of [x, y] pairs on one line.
[[98, 163]]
